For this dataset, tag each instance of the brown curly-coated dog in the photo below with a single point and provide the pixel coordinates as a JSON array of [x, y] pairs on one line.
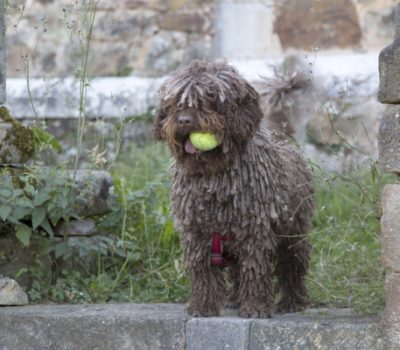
[[253, 189]]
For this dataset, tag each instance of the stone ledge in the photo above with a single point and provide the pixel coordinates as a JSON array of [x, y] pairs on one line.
[[315, 329], [112, 97], [167, 327], [93, 327]]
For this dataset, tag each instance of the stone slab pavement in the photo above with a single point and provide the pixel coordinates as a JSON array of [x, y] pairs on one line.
[[166, 326]]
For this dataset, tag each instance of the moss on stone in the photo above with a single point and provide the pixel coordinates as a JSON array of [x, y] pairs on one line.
[[20, 136], [5, 115]]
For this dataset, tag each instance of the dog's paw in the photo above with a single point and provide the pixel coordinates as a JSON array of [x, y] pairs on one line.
[[201, 312], [255, 311], [290, 305]]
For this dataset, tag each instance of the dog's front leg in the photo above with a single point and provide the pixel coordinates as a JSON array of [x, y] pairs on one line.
[[207, 281], [255, 285]]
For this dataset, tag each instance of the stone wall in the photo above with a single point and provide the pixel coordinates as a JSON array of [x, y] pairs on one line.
[[152, 37], [140, 37]]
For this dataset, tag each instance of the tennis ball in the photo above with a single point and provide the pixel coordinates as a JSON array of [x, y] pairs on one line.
[[203, 141]]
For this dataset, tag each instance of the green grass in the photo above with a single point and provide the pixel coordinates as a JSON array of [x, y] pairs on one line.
[[146, 266], [142, 217], [345, 261]]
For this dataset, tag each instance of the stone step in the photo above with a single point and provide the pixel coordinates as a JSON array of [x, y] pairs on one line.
[[167, 327]]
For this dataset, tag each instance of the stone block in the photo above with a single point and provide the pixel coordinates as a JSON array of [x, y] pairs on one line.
[[110, 5], [317, 332], [100, 327], [218, 333], [392, 307], [14, 258], [333, 24], [389, 140], [122, 25], [11, 293], [164, 52], [2, 55], [93, 191], [191, 22], [377, 23], [244, 30], [77, 228], [391, 315], [159, 5], [389, 73], [389, 68], [390, 226], [119, 57]]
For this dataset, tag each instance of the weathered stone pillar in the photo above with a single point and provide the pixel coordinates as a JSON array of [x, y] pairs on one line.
[[389, 158], [389, 140], [389, 68], [390, 224], [2, 55], [244, 29]]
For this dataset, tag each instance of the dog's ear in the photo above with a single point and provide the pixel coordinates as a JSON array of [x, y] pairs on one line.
[[245, 115]]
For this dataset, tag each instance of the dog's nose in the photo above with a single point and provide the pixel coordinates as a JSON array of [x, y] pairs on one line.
[[185, 121]]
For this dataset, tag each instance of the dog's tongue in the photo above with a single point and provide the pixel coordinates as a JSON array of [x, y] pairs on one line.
[[189, 148]]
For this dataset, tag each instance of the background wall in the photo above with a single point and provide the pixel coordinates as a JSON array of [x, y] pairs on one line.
[[129, 36], [150, 38]]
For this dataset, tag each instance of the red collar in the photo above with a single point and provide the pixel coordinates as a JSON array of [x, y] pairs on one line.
[[218, 257]]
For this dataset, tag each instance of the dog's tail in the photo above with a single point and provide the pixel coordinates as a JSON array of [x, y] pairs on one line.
[[279, 100]]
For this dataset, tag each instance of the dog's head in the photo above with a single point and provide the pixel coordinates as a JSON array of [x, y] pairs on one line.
[[211, 97]]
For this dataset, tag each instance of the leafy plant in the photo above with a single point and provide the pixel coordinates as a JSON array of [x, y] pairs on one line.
[[44, 139], [36, 200]]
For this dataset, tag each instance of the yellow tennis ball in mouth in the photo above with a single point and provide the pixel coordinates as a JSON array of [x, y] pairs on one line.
[[203, 141]]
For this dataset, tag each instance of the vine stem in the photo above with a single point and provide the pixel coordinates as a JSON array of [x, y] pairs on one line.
[[83, 84]]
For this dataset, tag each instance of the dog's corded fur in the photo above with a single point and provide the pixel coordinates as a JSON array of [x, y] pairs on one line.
[[254, 186], [277, 100]]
